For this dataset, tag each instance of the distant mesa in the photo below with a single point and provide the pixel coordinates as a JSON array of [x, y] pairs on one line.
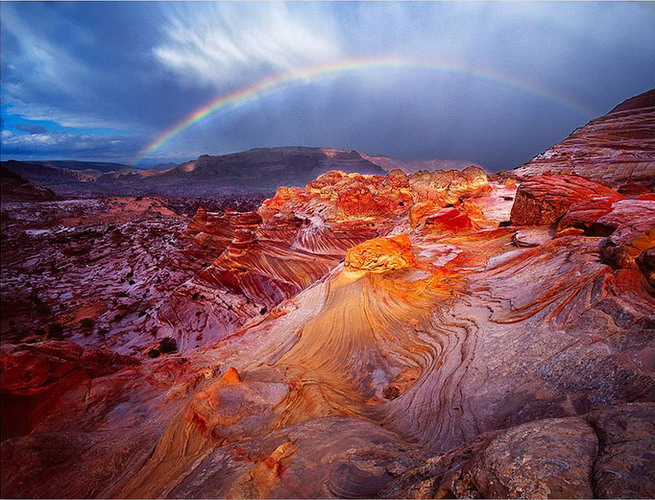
[[255, 170], [269, 167], [102, 167], [411, 166], [52, 177]]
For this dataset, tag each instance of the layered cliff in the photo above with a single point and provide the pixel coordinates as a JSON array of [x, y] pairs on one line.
[[615, 150]]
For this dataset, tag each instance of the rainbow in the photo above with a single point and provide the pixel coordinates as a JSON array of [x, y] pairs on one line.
[[275, 84]]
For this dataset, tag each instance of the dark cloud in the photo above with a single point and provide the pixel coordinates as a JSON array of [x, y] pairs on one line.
[[106, 70], [60, 145], [31, 128]]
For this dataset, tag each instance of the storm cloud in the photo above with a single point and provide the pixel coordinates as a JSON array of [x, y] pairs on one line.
[[98, 80]]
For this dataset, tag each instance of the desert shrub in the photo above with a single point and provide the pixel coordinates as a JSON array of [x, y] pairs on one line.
[[55, 331], [42, 308], [391, 392], [87, 323], [168, 345]]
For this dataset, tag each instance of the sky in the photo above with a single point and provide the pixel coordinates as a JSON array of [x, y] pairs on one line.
[[493, 83]]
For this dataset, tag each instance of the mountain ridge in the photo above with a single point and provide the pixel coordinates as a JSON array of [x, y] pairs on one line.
[[256, 169]]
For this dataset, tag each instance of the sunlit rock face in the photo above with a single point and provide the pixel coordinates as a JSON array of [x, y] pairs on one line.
[[615, 150], [399, 336], [262, 258], [449, 186], [381, 254], [545, 199]]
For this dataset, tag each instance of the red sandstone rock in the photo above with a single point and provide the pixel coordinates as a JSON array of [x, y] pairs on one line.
[[300, 234], [543, 200], [450, 219], [381, 255], [632, 240], [231, 376], [531, 237], [36, 378], [449, 186], [615, 149]]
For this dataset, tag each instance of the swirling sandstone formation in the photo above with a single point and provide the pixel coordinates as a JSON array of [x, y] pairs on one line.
[[263, 258], [421, 336]]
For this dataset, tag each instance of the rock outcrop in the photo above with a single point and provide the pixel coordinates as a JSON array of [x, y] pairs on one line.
[[14, 188], [95, 271], [380, 255], [431, 363], [260, 259], [573, 204], [545, 199], [615, 150], [38, 378], [603, 454]]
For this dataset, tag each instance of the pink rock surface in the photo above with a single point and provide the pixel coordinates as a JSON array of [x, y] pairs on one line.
[[615, 149], [545, 199]]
